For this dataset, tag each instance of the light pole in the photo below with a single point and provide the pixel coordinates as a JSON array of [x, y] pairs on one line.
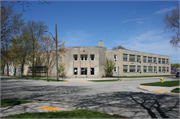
[[55, 39]]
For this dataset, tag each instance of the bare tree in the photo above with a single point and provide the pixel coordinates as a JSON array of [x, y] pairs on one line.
[[172, 22]]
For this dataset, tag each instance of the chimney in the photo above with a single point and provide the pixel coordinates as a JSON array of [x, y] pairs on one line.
[[101, 43]]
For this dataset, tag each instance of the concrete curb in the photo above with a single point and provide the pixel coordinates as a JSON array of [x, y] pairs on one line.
[[169, 93]]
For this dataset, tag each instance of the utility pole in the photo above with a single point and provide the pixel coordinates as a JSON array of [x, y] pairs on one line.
[[56, 54]]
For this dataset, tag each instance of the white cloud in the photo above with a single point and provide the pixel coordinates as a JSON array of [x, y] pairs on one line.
[[154, 41], [138, 19], [164, 10]]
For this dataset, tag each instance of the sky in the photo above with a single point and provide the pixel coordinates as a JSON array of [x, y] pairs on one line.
[[135, 25]]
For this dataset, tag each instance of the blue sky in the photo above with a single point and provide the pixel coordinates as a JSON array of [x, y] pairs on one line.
[[135, 25]]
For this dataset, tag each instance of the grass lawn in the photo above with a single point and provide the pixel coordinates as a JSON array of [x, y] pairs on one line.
[[146, 76], [165, 84], [5, 103], [65, 114], [35, 78], [176, 90], [104, 80]]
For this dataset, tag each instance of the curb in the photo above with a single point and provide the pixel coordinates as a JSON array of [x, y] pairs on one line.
[[157, 92]]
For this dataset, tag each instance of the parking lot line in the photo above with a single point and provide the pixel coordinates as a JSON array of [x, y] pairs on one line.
[[159, 91], [50, 109]]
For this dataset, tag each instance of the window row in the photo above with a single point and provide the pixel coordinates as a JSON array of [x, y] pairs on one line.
[[132, 68], [84, 71], [145, 59], [84, 57]]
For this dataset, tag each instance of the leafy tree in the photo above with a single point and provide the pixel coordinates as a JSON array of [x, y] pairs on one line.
[[21, 49], [118, 47], [172, 22], [108, 67], [176, 65], [11, 23], [61, 70]]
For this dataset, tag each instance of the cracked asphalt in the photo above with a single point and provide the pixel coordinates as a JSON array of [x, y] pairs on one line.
[[121, 98]]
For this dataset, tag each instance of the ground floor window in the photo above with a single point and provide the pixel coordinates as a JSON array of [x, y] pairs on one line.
[[132, 68], [167, 69], [150, 69], [92, 71], [83, 71], [164, 69], [155, 69], [75, 71], [115, 69], [145, 68], [138, 68], [125, 68], [159, 69]]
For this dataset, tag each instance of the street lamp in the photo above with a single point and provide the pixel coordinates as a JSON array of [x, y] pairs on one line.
[[55, 39]]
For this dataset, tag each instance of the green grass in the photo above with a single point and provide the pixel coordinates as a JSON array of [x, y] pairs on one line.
[[35, 78], [146, 76], [65, 114], [104, 80], [176, 90], [165, 84], [5, 103]]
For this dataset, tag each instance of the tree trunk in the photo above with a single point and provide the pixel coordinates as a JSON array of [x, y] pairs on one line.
[[22, 67], [47, 74], [7, 68]]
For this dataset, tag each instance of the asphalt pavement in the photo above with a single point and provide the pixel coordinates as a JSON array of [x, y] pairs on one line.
[[126, 97]]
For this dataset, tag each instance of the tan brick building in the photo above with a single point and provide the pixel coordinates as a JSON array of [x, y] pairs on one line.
[[81, 62]]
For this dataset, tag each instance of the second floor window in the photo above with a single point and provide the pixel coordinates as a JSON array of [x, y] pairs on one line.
[[75, 57], [150, 59], [92, 57], [132, 58], [124, 57], [159, 60], [144, 58], [83, 57], [115, 57], [163, 61], [138, 58], [155, 60], [167, 61]]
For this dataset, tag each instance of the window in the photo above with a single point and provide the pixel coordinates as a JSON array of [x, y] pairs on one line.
[[83, 57], [92, 71], [155, 69], [150, 59], [138, 58], [163, 61], [75, 71], [159, 60], [150, 69], [125, 68], [19, 69], [145, 68], [132, 68], [164, 69], [115, 57], [159, 69], [167, 61], [75, 57], [138, 68], [132, 58], [167, 69], [83, 71], [144, 58], [14, 70], [124, 57], [9, 69], [115, 69], [5, 70], [92, 57], [155, 60]]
